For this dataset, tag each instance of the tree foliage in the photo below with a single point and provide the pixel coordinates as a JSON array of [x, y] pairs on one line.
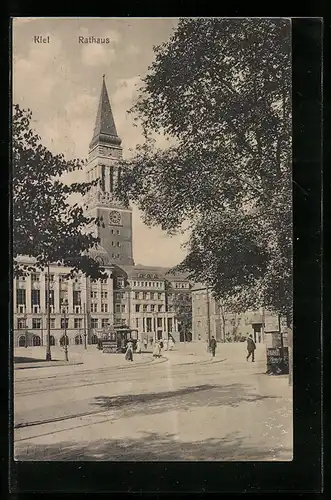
[[221, 89], [182, 307], [45, 225]]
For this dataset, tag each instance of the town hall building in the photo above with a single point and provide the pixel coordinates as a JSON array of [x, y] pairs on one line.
[[142, 297]]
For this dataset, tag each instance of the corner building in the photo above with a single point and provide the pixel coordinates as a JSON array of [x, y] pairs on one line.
[[142, 297]]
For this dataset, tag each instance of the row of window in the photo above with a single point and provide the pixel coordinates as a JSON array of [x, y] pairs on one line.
[[36, 340], [94, 294], [35, 278], [35, 301], [182, 285], [94, 308], [148, 295], [149, 307], [147, 324], [146, 284], [77, 323], [63, 296]]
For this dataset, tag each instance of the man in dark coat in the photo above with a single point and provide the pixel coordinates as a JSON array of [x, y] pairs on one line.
[[250, 348], [212, 346]]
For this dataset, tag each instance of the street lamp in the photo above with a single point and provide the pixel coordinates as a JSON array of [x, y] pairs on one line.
[[85, 332], [208, 314], [64, 310], [26, 329], [48, 336]]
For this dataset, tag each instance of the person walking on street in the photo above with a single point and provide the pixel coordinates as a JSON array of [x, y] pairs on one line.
[[250, 348], [157, 350], [129, 352], [145, 343], [212, 346], [138, 347]]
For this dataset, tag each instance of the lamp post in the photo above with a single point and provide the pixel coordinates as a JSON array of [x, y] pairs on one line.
[[26, 330], [48, 336], [85, 333], [208, 314], [64, 310]]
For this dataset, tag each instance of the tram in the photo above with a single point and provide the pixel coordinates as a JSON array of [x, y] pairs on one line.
[[115, 339]]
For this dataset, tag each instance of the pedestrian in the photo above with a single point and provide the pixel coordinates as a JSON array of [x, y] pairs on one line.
[[157, 350], [165, 344], [138, 346], [171, 344], [129, 352], [250, 348], [212, 346], [151, 341], [161, 343], [145, 344]]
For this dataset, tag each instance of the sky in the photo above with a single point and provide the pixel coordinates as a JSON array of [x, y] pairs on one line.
[[60, 82]]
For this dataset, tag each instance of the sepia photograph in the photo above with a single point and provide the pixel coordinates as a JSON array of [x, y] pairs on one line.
[[152, 239]]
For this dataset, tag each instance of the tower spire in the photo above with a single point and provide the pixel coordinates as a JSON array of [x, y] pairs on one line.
[[105, 130]]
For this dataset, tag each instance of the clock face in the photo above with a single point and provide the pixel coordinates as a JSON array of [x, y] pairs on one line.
[[114, 217]]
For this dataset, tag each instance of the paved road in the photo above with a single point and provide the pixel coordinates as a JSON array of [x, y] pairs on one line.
[[163, 410]]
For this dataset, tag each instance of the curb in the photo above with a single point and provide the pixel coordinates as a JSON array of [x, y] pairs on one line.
[[50, 365], [203, 362]]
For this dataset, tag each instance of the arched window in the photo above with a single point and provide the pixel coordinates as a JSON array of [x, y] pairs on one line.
[[21, 341], [78, 340], [64, 340], [36, 342], [52, 340], [94, 339]]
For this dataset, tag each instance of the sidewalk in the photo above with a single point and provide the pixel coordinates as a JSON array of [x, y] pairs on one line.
[[196, 352], [89, 359]]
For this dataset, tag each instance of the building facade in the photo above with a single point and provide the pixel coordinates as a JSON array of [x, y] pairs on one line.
[[147, 299], [224, 326]]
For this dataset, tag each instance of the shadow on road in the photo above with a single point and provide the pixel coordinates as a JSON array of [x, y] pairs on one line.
[[154, 447], [21, 359], [182, 399]]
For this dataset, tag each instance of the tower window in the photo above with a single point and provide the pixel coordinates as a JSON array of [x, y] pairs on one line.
[[118, 231], [111, 179], [103, 177]]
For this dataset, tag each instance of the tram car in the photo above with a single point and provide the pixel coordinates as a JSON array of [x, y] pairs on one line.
[[116, 338]]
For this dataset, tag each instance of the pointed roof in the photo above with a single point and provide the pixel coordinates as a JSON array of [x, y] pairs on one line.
[[105, 129]]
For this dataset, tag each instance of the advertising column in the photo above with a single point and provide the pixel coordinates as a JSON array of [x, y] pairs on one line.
[[275, 332]]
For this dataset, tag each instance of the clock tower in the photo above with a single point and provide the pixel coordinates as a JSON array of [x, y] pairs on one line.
[[104, 154]]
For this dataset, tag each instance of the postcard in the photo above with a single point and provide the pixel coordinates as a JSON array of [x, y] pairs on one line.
[[152, 239]]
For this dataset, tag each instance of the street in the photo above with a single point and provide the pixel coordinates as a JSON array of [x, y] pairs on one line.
[[183, 406]]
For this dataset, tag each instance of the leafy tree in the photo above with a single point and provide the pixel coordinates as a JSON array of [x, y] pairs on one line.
[[182, 306], [220, 89], [45, 225]]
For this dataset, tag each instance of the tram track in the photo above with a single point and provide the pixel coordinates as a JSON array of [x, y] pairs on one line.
[[65, 386], [113, 413], [62, 378], [86, 371]]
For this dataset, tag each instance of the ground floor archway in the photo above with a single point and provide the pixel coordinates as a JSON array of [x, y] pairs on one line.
[[21, 341], [64, 340], [36, 341], [94, 339], [52, 340], [78, 340]]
